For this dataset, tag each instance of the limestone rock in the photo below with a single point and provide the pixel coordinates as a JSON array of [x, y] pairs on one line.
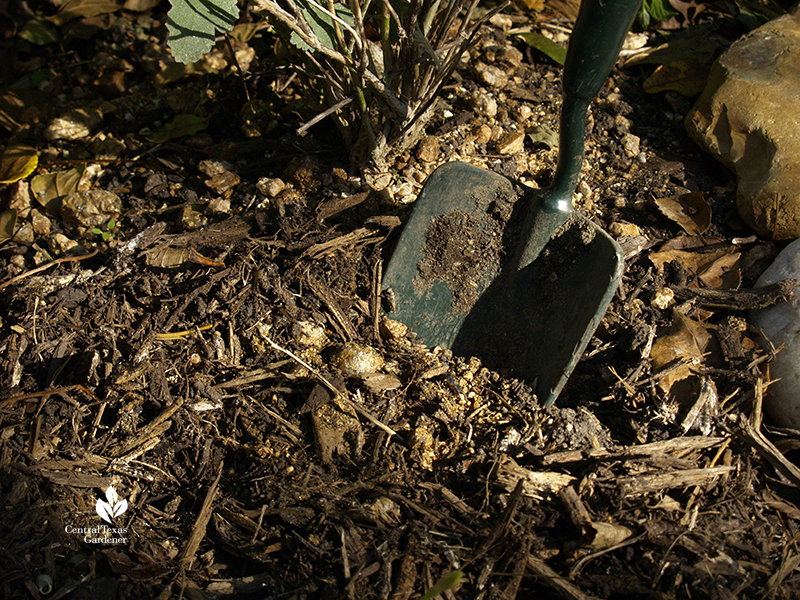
[[781, 324], [490, 75], [511, 143], [747, 118], [73, 125], [91, 208]]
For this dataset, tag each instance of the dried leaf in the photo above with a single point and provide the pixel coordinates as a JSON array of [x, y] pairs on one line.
[[17, 162], [534, 5], [140, 5], [39, 32], [50, 188], [716, 268], [690, 9], [82, 9], [8, 224], [181, 125], [244, 32], [725, 273], [167, 257], [542, 134], [687, 77], [606, 535], [690, 211], [687, 341]]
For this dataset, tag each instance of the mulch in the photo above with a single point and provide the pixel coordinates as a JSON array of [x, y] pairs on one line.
[[237, 381]]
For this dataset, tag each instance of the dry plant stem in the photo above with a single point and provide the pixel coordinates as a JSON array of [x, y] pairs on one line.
[[8, 402], [395, 105], [564, 587], [199, 531], [44, 267], [325, 113]]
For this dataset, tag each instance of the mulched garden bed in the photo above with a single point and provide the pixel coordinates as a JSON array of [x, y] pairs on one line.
[[230, 370]]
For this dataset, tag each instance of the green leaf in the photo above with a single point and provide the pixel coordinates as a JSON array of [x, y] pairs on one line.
[[659, 10], [192, 26], [446, 582], [321, 24], [39, 32], [181, 125], [545, 45]]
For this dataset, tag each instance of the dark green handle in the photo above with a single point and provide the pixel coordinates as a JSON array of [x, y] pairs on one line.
[[593, 49]]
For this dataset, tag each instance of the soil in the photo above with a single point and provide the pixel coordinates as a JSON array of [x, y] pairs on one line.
[[191, 360], [457, 250]]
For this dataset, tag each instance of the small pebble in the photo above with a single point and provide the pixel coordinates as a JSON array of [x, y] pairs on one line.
[[223, 183], [522, 113], [623, 228], [393, 330], [490, 75], [511, 56], [483, 104], [630, 143], [310, 335], [211, 167], [24, 234], [664, 298], [219, 206], [483, 135], [357, 360], [60, 244], [428, 150], [270, 186], [304, 173], [74, 125], [192, 217], [511, 143]]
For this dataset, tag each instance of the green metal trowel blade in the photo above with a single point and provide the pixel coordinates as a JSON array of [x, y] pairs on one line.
[[533, 322]]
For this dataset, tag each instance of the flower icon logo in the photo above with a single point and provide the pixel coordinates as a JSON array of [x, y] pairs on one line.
[[112, 506]]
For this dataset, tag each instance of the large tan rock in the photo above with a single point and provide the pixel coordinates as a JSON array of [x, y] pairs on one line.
[[749, 118]]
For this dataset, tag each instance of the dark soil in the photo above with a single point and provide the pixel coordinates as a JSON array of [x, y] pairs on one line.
[[195, 364]]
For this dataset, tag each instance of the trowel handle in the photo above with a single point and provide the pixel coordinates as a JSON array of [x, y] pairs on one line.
[[593, 49]]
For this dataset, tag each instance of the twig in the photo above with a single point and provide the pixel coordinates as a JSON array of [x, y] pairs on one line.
[[199, 531], [44, 267], [745, 299], [563, 586], [335, 108], [238, 67]]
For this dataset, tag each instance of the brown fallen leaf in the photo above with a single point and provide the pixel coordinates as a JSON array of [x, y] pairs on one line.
[[682, 347], [690, 211], [715, 265], [687, 77], [50, 189]]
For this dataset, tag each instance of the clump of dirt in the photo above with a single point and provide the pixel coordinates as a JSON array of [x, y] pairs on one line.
[[467, 250], [458, 250]]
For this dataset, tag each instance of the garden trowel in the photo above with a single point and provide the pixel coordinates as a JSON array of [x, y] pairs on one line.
[[511, 275]]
